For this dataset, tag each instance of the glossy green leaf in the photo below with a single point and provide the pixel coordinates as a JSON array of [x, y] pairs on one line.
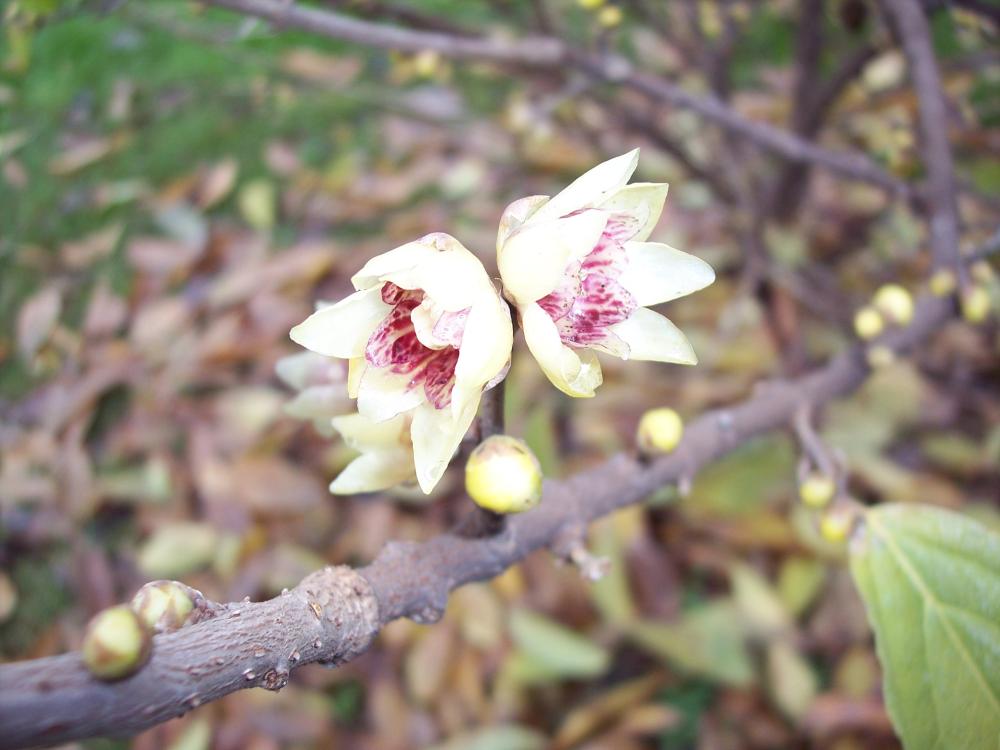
[[930, 579]]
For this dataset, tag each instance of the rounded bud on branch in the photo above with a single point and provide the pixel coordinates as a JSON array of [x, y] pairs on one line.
[[975, 304], [660, 430], [503, 475], [163, 605], [116, 643], [895, 303], [817, 490], [868, 323]]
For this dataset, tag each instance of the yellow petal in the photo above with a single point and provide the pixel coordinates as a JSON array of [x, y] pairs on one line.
[[576, 372], [371, 472], [486, 344], [516, 214], [343, 329], [436, 434], [643, 200], [355, 369], [383, 394], [400, 259], [650, 336], [534, 258], [658, 273], [364, 434], [453, 277], [590, 188]]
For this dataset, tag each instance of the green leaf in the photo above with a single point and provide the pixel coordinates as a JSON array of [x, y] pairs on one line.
[[555, 647], [930, 579], [709, 640]]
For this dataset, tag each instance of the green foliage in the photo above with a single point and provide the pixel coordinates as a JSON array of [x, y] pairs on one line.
[[930, 579], [555, 648]]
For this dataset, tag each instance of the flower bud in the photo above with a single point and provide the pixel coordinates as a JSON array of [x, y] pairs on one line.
[[942, 283], [817, 490], [116, 643], [868, 322], [836, 525], [590, 4], [503, 475], [163, 605], [975, 304], [660, 430], [609, 16], [426, 63], [880, 356], [895, 303]]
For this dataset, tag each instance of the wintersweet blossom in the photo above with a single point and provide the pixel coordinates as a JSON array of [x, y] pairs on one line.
[[581, 273], [424, 334]]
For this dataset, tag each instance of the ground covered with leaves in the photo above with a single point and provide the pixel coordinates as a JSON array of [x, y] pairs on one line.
[[177, 187]]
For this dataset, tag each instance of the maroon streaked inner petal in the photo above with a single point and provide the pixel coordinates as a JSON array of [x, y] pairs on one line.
[[589, 298], [394, 345]]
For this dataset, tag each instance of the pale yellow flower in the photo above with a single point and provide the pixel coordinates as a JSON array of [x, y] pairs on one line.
[[581, 273], [424, 335]]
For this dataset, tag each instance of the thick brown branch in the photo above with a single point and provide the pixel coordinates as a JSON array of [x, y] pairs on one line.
[[914, 34], [333, 614], [552, 55]]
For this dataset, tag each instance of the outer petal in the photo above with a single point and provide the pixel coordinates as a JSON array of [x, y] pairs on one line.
[[318, 402], [343, 329], [371, 472], [591, 187], [516, 214], [574, 372], [485, 350], [534, 259], [652, 337], [452, 276], [436, 434], [644, 200], [658, 273], [383, 394], [356, 367], [364, 435], [399, 259]]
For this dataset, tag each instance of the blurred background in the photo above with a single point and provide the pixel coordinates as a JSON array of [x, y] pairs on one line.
[[180, 184]]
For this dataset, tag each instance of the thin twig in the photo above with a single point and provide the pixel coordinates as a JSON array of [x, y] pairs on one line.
[[915, 35], [551, 54]]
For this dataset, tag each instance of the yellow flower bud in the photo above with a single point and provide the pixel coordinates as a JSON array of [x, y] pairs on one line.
[[610, 16], [163, 605], [880, 356], [503, 475], [868, 322], [116, 643], [817, 490], [590, 4], [942, 283], [975, 304], [426, 63], [836, 525], [895, 303], [660, 430]]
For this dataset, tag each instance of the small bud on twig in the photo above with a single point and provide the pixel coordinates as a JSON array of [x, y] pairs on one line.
[[163, 605], [975, 304], [503, 475], [817, 490], [660, 430], [895, 303], [116, 643], [868, 322]]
